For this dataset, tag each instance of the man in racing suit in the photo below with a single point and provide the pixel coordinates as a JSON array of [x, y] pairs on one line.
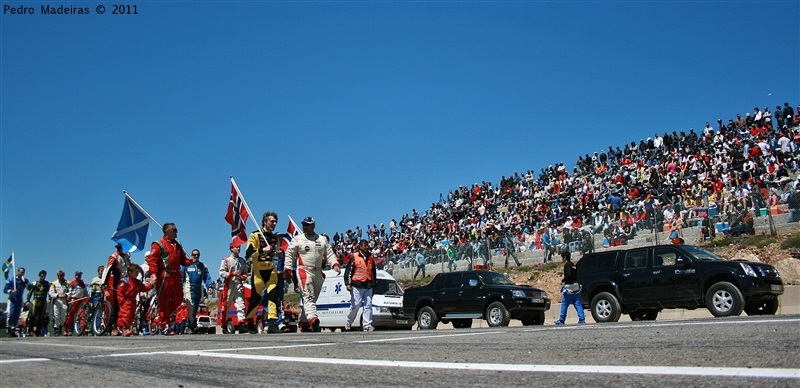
[[165, 261], [309, 253], [15, 288], [264, 255], [59, 290], [233, 270], [194, 277], [116, 270], [38, 291]]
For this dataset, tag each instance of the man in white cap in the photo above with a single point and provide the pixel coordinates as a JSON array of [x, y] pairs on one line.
[[309, 253]]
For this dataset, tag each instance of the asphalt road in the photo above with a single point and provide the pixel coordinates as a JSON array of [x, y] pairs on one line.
[[740, 351]]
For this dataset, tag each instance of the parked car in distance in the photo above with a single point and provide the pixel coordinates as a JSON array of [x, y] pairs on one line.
[[461, 296], [643, 281]]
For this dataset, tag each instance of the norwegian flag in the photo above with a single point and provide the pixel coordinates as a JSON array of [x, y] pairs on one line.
[[237, 217], [291, 230]]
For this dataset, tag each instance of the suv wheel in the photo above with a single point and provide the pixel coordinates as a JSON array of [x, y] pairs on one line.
[[605, 308], [723, 299], [769, 307], [427, 319], [497, 315]]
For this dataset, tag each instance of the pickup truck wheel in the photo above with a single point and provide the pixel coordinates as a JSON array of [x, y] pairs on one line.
[[769, 307], [427, 319], [212, 330], [605, 308], [723, 299], [497, 315], [537, 319], [229, 327], [462, 323]]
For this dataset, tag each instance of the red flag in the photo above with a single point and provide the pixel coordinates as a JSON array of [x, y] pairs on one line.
[[237, 217], [291, 230]]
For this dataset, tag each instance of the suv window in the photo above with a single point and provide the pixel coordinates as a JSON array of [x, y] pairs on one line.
[[466, 278], [664, 256], [452, 281], [636, 259], [603, 261]]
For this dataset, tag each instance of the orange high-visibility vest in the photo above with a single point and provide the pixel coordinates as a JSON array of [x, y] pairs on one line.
[[362, 269]]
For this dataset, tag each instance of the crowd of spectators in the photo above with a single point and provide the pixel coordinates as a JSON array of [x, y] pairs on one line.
[[670, 178]]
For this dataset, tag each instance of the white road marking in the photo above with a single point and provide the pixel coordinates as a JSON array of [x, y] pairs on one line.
[[272, 347], [49, 344], [595, 369], [426, 336], [662, 324], [23, 360]]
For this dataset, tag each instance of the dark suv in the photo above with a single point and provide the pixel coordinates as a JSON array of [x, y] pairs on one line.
[[643, 281], [461, 296]]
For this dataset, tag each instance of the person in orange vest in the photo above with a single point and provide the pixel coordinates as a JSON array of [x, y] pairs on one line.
[[360, 277]]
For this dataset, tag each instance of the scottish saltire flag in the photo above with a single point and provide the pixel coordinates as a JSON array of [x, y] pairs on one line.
[[291, 230], [132, 228], [237, 217], [8, 266]]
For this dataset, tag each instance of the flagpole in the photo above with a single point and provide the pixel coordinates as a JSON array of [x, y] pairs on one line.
[[14, 269], [14, 275], [246, 206], [142, 209]]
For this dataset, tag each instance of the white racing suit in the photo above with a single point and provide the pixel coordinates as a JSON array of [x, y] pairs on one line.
[[309, 256], [60, 306], [230, 270]]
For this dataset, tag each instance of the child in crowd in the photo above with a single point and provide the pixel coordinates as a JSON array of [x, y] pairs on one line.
[[129, 288]]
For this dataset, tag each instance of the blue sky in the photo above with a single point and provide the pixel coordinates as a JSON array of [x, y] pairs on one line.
[[352, 112]]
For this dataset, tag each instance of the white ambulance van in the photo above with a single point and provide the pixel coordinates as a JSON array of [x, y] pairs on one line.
[[333, 304]]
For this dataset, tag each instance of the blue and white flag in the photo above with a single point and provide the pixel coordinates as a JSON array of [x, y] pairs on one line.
[[132, 229]]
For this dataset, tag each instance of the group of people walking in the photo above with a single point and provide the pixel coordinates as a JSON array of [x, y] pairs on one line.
[[271, 260]]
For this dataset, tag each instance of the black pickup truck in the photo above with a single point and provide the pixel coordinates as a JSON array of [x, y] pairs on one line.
[[461, 296], [643, 281]]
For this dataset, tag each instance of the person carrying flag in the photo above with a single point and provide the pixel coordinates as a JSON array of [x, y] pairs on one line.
[[165, 261], [309, 253], [15, 288], [116, 270], [263, 248]]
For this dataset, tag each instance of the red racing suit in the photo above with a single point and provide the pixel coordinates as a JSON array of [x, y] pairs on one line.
[[167, 262], [128, 289]]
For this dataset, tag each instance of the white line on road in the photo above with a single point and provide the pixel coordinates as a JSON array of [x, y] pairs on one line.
[[426, 337], [272, 347], [662, 324], [23, 360], [598, 369]]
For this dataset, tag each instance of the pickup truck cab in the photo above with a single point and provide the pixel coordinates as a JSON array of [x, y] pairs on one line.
[[643, 281], [461, 296]]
